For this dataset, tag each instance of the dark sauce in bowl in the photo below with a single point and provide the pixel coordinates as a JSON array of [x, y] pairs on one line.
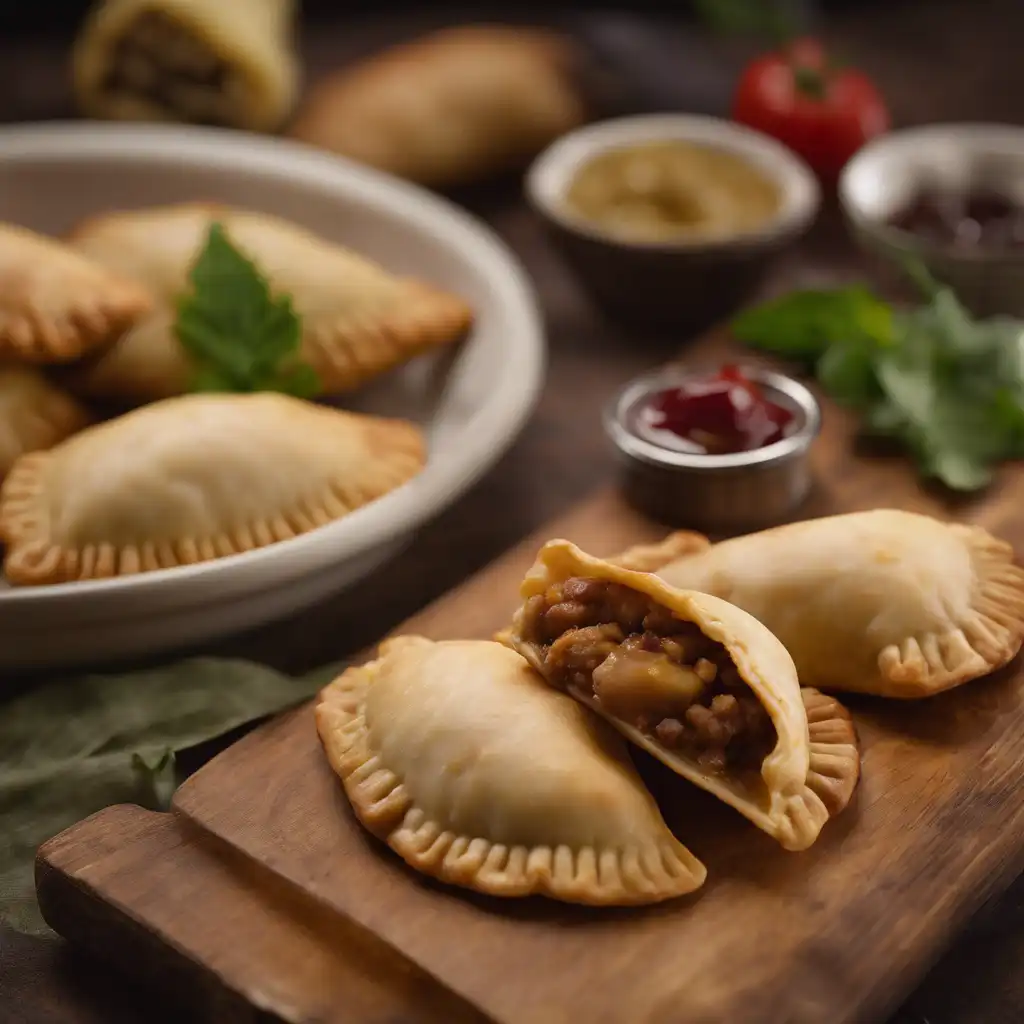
[[981, 219]]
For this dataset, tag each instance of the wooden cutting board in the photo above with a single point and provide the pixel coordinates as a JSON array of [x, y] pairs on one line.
[[260, 897]]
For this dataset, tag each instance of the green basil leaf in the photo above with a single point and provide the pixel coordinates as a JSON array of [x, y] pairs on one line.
[[958, 470], [804, 324], [847, 372], [237, 333]]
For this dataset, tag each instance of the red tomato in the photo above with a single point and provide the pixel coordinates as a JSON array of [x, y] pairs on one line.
[[823, 112]]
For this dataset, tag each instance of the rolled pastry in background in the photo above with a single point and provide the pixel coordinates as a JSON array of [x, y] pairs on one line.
[[216, 62], [449, 108]]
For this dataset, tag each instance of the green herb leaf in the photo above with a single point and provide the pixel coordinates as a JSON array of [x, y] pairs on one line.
[[957, 470], [847, 371], [949, 387], [884, 420], [774, 19], [805, 324], [36, 805], [915, 268], [73, 747], [156, 776], [299, 381], [240, 337]]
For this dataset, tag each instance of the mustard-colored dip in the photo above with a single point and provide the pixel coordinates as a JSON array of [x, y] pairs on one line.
[[658, 191]]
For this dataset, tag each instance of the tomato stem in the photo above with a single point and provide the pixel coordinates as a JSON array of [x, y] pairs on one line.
[[810, 81]]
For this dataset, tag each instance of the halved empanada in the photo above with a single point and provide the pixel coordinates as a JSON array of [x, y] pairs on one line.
[[358, 319], [195, 478], [55, 303], [34, 414], [697, 682], [475, 772], [885, 602], [222, 62]]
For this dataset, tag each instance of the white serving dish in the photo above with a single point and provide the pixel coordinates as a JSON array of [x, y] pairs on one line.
[[472, 402]]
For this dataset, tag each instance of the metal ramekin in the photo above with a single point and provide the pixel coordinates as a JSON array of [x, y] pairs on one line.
[[717, 494]]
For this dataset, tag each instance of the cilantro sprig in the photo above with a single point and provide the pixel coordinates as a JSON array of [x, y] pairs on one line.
[[239, 335], [947, 386]]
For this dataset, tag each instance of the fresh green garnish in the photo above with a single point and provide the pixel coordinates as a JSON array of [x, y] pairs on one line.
[[773, 19], [239, 335], [949, 387], [79, 744]]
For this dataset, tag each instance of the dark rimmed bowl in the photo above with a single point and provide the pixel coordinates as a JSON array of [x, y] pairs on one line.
[[678, 284], [886, 175]]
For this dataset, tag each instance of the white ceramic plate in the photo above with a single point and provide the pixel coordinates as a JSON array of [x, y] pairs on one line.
[[472, 402]]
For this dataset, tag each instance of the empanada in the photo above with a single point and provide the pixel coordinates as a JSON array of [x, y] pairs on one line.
[[55, 303], [697, 682], [195, 478], [475, 772], [219, 62], [358, 320], [885, 602], [34, 414], [449, 108]]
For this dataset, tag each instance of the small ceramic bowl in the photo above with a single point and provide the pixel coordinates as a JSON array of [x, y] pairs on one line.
[[718, 494], [887, 173], [676, 284]]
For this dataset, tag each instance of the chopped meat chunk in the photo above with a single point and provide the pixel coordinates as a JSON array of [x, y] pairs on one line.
[[651, 669]]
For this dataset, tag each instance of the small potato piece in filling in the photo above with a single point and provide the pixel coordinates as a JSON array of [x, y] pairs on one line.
[[650, 669]]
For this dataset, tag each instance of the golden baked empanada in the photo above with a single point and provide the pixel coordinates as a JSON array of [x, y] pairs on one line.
[[885, 602], [195, 478], [697, 682], [55, 303], [475, 772], [34, 414], [220, 62], [358, 320], [451, 107]]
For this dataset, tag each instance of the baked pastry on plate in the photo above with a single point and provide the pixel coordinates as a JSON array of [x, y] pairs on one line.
[[697, 682], [886, 602], [450, 108], [477, 773], [358, 320], [195, 478], [55, 303], [34, 414]]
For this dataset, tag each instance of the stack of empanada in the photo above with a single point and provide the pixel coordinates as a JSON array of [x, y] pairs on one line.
[[474, 772], [55, 307], [188, 478], [487, 764]]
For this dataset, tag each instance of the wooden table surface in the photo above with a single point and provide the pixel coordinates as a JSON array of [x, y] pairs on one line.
[[936, 60]]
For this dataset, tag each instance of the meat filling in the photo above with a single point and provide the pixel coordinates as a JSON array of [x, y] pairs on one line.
[[161, 61], [648, 668]]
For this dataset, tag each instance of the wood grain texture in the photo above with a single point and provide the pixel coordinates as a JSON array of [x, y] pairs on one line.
[[838, 933], [244, 941]]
